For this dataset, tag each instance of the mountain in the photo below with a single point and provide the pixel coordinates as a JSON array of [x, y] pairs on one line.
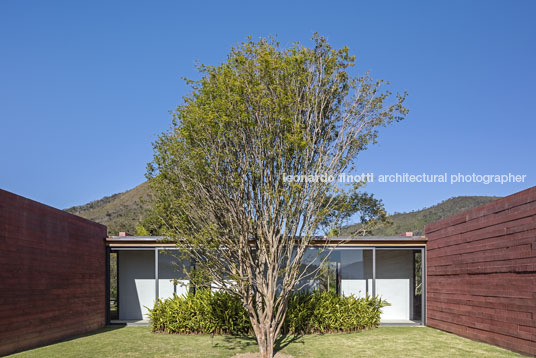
[[119, 212], [124, 211], [416, 220]]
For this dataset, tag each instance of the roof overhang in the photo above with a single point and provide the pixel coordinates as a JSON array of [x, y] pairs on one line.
[[162, 241]]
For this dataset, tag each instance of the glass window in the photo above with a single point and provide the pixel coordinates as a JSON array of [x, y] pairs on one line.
[[346, 271]]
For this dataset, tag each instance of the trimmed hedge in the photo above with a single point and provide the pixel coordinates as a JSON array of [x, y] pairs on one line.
[[208, 312]]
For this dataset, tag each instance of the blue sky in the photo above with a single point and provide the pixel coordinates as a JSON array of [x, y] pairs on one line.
[[85, 87]]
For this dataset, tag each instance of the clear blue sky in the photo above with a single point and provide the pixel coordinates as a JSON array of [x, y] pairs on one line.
[[85, 87]]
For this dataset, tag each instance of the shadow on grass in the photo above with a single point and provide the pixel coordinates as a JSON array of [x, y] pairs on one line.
[[72, 338], [234, 343], [284, 341], [107, 328]]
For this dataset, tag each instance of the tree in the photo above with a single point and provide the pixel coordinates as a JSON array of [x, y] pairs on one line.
[[226, 172], [341, 207]]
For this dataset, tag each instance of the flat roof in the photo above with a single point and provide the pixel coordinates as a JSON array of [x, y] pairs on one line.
[[163, 241]]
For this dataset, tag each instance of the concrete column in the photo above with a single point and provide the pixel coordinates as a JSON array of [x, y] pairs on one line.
[[156, 288], [373, 271], [423, 288]]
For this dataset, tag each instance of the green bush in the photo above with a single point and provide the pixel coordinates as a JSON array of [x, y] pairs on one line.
[[327, 312], [220, 313], [202, 312]]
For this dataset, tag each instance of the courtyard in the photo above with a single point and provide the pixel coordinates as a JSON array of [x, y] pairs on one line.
[[117, 341]]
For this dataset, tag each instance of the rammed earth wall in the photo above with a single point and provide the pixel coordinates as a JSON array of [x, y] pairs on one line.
[[52, 274], [481, 273]]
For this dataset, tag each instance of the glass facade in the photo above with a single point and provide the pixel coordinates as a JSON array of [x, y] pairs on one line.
[[395, 274]]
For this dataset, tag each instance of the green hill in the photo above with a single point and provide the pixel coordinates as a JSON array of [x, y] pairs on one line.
[[416, 220], [124, 211], [119, 212]]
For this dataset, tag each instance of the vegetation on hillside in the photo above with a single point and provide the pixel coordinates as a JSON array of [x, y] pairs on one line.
[[416, 220], [126, 211], [119, 212]]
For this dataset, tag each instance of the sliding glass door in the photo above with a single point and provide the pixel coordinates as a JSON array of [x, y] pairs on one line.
[[395, 274], [396, 283], [355, 271]]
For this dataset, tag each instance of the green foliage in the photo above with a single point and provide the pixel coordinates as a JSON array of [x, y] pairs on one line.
[[221, 173], [343, 205], [119, 212], [113, 275], [221, 313], [416, 220], [327, 312], [203, 312], [126, 212], [265, 113]]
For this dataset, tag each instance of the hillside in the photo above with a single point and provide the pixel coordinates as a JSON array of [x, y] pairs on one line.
[[123, 212], [119, 212], [416, 220]]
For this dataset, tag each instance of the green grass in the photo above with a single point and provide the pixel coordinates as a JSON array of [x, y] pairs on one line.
[[380, 342]]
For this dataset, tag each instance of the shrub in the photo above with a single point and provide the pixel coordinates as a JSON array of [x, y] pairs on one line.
[[220, 313], [327, 312], [202, 312]]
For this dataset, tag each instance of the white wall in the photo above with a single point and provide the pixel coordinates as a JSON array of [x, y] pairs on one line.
[[394, 282], [356, 271], [358, 288], [170, 267], [136, 283]]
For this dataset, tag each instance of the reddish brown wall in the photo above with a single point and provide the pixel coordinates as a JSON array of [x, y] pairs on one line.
[[52, 274], [481, 276]]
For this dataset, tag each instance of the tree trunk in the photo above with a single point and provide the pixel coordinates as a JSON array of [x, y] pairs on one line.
[[266, 341]]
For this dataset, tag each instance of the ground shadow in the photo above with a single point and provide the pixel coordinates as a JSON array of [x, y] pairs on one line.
[[107, 328], [284, 341], [234, 343]]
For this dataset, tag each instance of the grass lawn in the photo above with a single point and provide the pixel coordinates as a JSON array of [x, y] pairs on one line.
[[380, 342]]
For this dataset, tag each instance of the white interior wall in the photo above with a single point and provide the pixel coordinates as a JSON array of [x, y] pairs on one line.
[[170, 267], [394, 283], [394, 280], [358, 288], [136, 283], [356, 271]]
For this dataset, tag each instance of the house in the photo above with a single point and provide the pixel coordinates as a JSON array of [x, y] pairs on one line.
[[479, 265], [391, 267]]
